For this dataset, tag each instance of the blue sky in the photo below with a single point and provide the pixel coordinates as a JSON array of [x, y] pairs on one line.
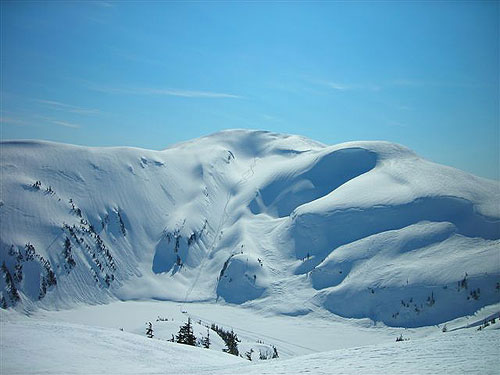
[[150, 74]]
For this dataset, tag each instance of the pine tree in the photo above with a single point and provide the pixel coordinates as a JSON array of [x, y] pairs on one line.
[[11, 286], [149, 330], [67, 253], [51, 277], [185, 335], [18, 272], [232, 343], [249, 354], [205, 341], [4, 303], [230, 338], [43, 288], [275, 352]]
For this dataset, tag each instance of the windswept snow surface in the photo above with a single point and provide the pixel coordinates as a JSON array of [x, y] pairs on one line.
[[277, 223], [43, 346]]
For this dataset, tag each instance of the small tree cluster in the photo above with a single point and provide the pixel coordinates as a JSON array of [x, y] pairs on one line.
[[75, 209], [18, 271], [104, 265], [122, 224], [475, 294], [400, 338], [10, 286], [224, 267], [230, 338], [67, 253], [265, 355], [486, 323], [30, 251]]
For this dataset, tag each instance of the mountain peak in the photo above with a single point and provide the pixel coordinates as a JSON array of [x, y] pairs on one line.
[[248, 217]]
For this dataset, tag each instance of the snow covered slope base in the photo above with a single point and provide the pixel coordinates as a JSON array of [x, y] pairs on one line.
[[279, 223]]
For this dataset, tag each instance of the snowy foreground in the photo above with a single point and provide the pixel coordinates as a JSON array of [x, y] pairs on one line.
[[88, 340], [48, 343]]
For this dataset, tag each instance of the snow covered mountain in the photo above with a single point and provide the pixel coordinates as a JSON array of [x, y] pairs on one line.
[[277, 222]]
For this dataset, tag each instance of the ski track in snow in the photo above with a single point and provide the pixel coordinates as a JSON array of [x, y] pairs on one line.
[[224, 216]]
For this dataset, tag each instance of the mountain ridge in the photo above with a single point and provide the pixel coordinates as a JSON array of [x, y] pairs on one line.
[[249, 217]]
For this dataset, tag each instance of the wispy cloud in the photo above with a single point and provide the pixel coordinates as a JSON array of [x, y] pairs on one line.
[[271, 118], [348, 86], [397, 124], [189, 93], [162, 92], [37, 121], [65, 124], [14, 121], [431, 83], [67, 107], [415, 83], [104, 4], [341, 85], [136, 58]]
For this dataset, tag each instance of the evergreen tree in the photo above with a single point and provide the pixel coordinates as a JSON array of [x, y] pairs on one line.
[[43, 288], [185, 335], [4, 303], [51, 277], [230, 338], [275, 352], [149, 330], [10, 285], [18, 272], [249, 354], [205, 341], [232, 343], [67, 253]]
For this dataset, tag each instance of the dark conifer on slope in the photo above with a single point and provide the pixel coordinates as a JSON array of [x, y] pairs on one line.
[[230, 338], [10, 285], [67, 253], [185, 335], [149, 330], [205, 341]]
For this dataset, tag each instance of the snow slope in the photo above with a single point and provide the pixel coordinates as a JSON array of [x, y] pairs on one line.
[[275, 222], [33, 346]]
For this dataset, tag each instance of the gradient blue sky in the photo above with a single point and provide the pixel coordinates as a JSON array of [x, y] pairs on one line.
[[150, 74]]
